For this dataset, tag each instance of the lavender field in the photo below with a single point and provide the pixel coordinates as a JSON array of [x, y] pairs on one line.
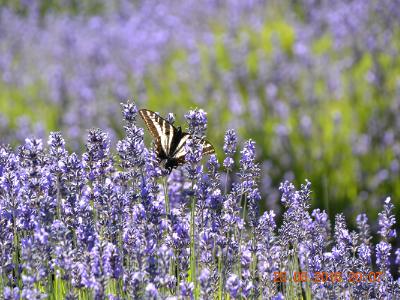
[[119, 226], [302, 100]]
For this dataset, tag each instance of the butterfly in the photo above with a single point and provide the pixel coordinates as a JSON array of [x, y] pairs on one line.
[[169, 140]]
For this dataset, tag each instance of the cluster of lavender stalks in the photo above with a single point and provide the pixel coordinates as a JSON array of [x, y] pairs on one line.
[[103, 226]]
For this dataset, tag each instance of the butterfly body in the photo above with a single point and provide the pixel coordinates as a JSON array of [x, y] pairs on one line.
[[169, 140]]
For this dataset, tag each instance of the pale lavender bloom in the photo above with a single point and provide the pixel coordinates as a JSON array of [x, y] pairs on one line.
[[97, 147], [343, 240], [186, 289], [363, 228], [249, 173], [387, 221], [131, 149], [397, 253], [253, 198], [171, 118], [318, 238], [151, 292], [382, 255], [41, 235], [34, 261], [197, 121], [364, 253], [57, 145], [233, 286], [296, 217], [165, 255], [204, 279], [230, 143], [213, 166], [129, 111], [175, 188], [228, 163], [111, 262], [278, 296], [247, 160], [193, 156], [11, 294]]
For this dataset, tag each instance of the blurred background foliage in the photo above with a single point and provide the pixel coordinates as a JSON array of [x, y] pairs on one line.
[[315, 83]]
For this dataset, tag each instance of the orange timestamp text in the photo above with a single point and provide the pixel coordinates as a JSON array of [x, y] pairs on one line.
[[322, 277]]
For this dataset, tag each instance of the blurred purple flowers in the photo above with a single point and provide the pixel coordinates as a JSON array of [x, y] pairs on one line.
[[99, 225]]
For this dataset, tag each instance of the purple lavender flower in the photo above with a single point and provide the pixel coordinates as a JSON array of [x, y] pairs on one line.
[[397, 253], [11, 294], [342, 238], [387, 220], [233, 285], [193, 156], [151, 292], [170, 118], [253, 198], [57, 145], [247, 160], [364, 253], [278, 296], [363, 228], [111, 261], [197, 121], [230, 143], [97, 147], [187, 289], [382, 255], [296, 217], [268, 263], [129, 111], [204, 280]]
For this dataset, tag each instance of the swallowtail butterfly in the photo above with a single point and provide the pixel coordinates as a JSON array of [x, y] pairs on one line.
[[170, 140]]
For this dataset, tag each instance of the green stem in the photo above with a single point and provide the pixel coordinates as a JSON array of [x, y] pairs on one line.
[[253, 266], [192, 245], [226, 181], [16, 255], [167, 207], [240, 235], [178, 281], [221, 279]]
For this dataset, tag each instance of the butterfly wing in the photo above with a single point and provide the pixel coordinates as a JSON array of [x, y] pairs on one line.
[[161, 130], [180, 152], [207, 147], [169, 141]]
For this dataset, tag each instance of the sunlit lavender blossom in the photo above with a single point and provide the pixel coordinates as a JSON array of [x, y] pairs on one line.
[[233, 286], [230, 143], [387, 220], [171, 118], [129, 111], [193, 156], [363, 228], [197, 121]]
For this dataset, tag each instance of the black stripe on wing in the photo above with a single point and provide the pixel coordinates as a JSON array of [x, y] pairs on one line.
[[161, 130], [170, 141], [180, 152], [207, 147]]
